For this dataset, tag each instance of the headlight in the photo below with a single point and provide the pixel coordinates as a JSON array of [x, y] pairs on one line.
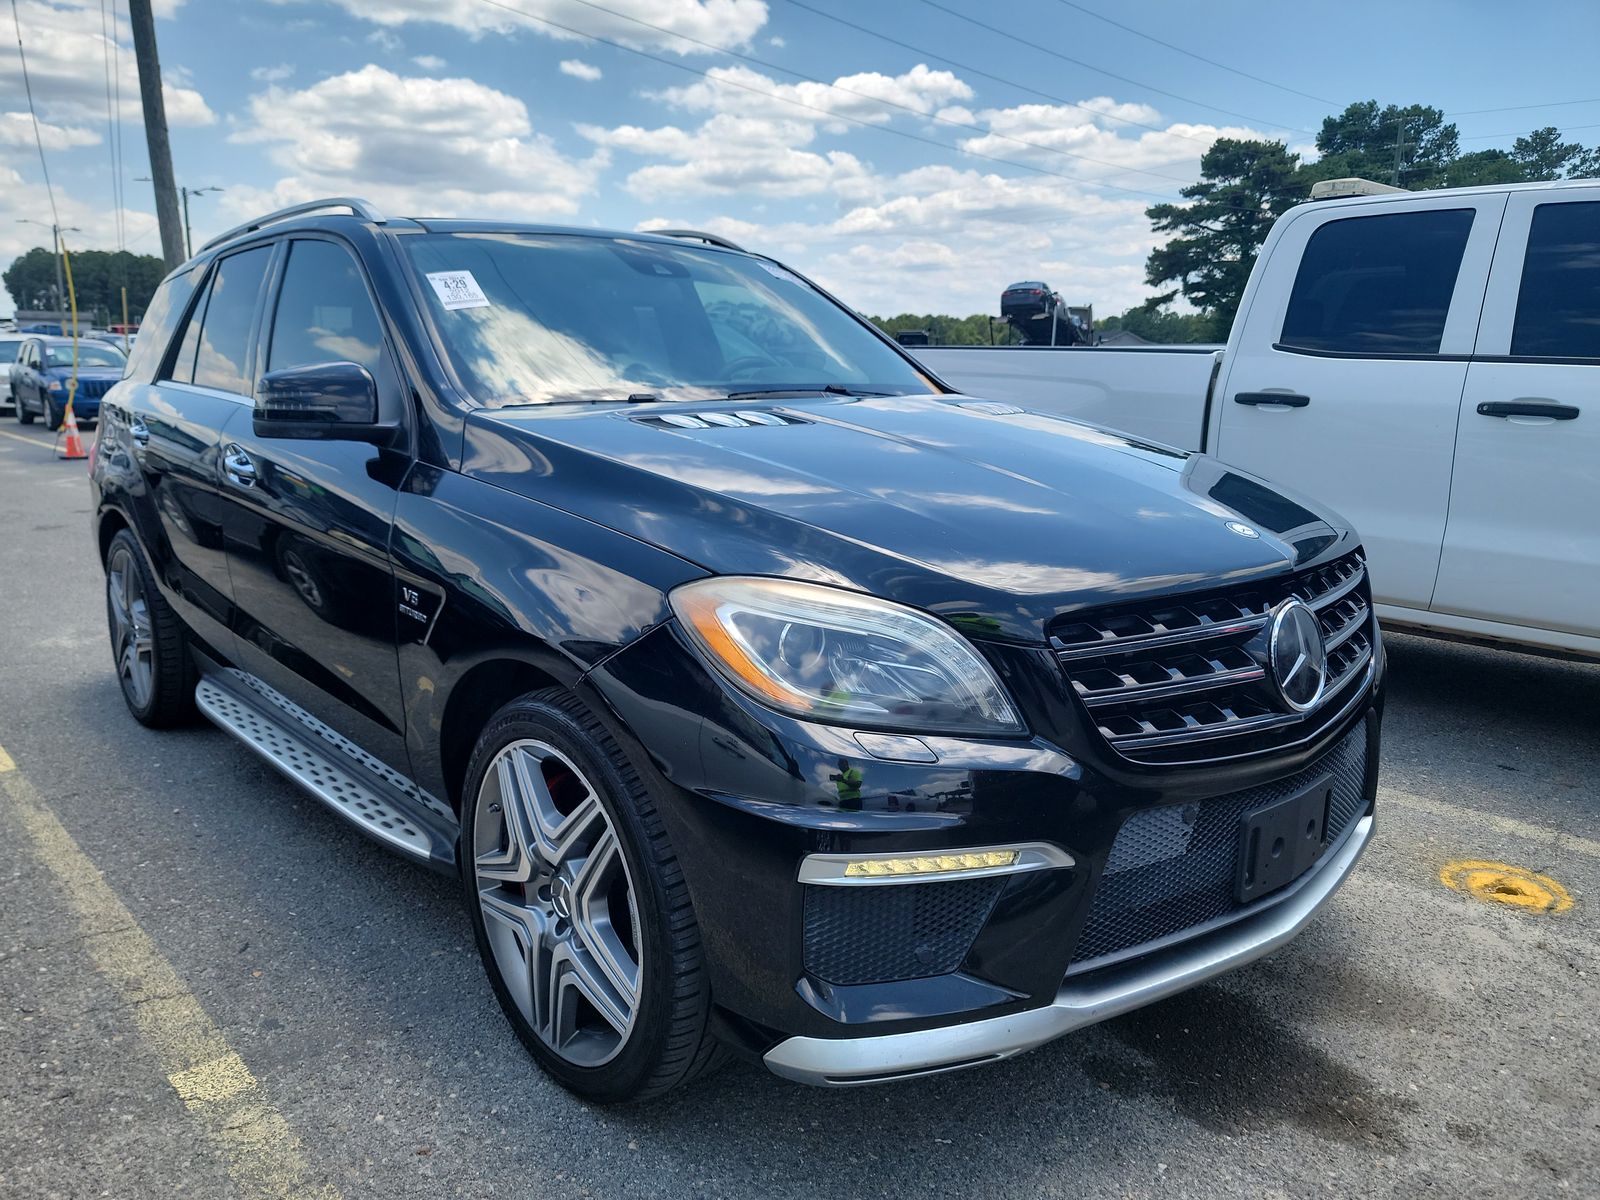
[[837, 656], [54, 385]]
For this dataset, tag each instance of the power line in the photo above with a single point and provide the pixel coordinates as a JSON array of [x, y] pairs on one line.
[[55, 217], [106, 41], [828, 113], [964, 126], [1089, 12], [1477, 112], [982, 74], [1078, 62], [1519, 133]]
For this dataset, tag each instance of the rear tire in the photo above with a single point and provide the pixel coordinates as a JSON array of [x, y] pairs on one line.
[[580, 909], [148, 644]]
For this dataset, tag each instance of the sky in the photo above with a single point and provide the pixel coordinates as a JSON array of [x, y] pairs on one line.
[[909, 155]]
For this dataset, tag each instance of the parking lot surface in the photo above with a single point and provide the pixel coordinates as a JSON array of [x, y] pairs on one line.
[[163, 892]]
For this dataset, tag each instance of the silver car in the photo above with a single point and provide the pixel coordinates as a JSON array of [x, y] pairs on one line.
[[10, 344]]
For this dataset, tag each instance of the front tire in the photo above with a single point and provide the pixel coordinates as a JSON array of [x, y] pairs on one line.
[[53, 416], [580, 909], [24, 417], [148, 645]]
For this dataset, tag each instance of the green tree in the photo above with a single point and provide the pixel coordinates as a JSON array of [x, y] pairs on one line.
[[944, 330], [1482, 168], [1543, 155], [1244, 187], [1362, 141], [98, 277], [1154, 325]]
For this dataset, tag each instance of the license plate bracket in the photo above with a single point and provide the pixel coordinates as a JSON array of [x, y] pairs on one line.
[[1279, 841]]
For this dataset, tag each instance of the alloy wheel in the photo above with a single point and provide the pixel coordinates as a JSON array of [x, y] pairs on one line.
[[558, 902], [132, 643]]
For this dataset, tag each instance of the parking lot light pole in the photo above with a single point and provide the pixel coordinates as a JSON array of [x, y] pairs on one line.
[[185, 193], [55, 240]]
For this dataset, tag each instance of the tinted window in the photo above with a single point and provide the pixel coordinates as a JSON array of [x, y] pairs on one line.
[[221, 361], [1378, 285], [1558, 310], [324, 313], [166, 307], [183, 362]]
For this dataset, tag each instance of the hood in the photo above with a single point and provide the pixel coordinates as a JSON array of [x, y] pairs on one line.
[[983, 513], [85, 372]]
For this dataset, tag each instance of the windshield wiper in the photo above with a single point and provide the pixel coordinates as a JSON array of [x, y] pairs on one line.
[[827, 389]]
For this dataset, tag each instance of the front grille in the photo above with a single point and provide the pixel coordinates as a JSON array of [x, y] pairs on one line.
[[1172, 869], [95, 388], [884, 933], [1185, 680]]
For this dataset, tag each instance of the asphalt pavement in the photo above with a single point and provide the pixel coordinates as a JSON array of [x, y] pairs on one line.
[[166, 891]]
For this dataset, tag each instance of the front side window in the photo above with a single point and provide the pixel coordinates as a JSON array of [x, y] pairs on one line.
[[221, 353], [1377, 285], [548, 318], [166, 308], [1558, 307], [324, 313]]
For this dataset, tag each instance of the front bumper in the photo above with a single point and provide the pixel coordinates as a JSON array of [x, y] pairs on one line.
[[1080, 1001], [835, 984]]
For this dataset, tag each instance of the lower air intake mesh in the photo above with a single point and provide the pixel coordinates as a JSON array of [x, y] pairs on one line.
[[884, 933], [1172, 869]]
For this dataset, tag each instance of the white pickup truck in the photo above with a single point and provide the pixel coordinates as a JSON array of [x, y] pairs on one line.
[[1428, 364]]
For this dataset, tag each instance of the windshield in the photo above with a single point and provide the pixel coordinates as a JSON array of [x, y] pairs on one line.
[[90, 354], [547, 318]]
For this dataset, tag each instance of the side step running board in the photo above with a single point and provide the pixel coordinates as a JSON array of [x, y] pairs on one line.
[[401, 819]]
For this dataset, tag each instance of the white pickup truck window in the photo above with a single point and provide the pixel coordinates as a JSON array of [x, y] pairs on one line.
[[1558, 307], [1377, 285]]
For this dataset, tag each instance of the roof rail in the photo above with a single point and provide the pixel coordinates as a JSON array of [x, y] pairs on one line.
[[355, 204], [696, 235]]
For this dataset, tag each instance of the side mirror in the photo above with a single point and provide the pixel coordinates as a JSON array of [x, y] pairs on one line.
[[336, 401]]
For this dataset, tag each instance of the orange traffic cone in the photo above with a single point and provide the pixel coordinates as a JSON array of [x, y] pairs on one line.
[[74, 447]]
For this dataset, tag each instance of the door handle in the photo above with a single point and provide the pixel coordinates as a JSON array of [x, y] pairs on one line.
[[1529, 406], [238, 466], [1283, 399]]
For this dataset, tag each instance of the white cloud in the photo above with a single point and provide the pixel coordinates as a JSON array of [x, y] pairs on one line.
[[429, 62], [412, 145], [860, 97], [275, 74], [777, 42], [722, 23], [16, 129], [386, 41], [66, 64], [579, 69]]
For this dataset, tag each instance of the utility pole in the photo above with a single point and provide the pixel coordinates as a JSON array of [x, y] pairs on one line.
[[1399, 145], [185, 192], [155, 130], [55, 241]]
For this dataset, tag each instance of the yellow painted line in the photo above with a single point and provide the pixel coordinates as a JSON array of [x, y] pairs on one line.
[[261, 1151], [1502, 883], [1471, 816], [18, 437]]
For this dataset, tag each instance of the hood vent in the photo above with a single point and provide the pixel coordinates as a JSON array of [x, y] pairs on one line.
[[990, 408], [728, 420]]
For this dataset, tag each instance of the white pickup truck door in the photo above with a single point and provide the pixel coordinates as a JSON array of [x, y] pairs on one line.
[[1363, 318], [1522, 545]]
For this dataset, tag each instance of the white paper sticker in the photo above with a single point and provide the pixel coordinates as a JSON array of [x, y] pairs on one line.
[[457, 289]]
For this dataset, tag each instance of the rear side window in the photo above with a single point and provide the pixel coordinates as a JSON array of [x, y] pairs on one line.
[[1377, 285], [221, 362], [1558, 307], [324, 313], [166, 307]]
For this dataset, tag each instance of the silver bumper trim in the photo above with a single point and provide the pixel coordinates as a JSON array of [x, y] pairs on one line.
[[843, 1062]]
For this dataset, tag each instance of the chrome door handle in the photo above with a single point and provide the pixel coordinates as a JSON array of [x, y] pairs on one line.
[[238, 466]]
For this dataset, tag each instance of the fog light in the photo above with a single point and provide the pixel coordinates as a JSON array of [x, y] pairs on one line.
[[930, 864]]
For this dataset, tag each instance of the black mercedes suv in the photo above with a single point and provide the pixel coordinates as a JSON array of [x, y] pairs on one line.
[[765, 694]]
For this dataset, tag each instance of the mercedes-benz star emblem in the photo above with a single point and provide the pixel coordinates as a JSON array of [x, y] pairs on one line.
[[1242, 529], [1297, 654]]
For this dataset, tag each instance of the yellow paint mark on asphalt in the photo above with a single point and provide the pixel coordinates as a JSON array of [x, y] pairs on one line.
[[1471, 816], [17, 437], [1501, 883], [261, 1151]]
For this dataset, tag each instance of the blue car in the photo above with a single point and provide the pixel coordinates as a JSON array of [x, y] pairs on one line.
[[43, 370]]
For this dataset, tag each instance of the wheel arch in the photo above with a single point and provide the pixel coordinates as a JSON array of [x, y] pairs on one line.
[[482, 691]]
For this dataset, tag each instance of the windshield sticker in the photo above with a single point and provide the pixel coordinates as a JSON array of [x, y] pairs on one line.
[[774, 269], [457, 289]]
